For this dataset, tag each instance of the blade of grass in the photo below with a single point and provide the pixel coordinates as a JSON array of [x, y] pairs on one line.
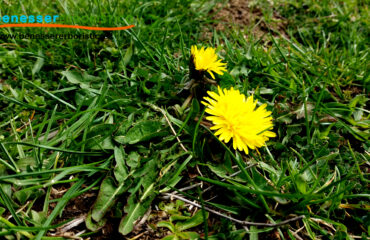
[[8, 204], [55, 149], [9, 157]]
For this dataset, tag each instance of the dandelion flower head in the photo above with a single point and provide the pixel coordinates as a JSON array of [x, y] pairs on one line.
[[235, 117], [207, 60]]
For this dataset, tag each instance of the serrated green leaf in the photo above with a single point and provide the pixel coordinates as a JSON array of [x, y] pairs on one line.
[[143, 131], [133, 160], [83, 80], [107, 197], [221, 171], [26, 162], [170, 237], [189, 235], [166, 224], [196, 220], [301, 184], [92, 225], [73, 77], [107, 143], [38, 217], [7, 188], [23, 195], [120, 171], [178, 217], [134, 210], [99, 137]]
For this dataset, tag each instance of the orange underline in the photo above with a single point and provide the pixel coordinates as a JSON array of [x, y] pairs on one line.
[[46, 25]]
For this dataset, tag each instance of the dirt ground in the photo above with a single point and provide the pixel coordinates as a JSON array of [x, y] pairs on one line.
[[242, 14]]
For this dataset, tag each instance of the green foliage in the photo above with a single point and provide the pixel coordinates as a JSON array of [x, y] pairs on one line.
[[179, 222], [93, 116]]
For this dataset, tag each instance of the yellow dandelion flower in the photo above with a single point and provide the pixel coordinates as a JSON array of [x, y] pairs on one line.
[[236, 117], [207, 60]]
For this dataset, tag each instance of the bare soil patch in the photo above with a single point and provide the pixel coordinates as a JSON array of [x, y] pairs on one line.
[[241, 14]]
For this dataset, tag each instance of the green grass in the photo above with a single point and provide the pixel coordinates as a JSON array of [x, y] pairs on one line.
[[92, 116]]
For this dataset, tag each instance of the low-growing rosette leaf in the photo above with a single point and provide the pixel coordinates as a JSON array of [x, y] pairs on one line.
[[108, 195], [120, 171], [142, 131]]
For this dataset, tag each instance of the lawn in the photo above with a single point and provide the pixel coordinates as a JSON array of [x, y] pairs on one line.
[[113, 137]]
